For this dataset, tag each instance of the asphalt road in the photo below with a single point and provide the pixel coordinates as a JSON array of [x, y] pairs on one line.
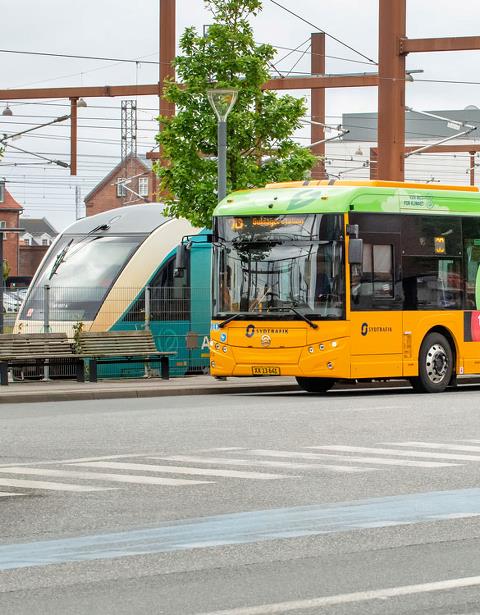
[[245, 504]]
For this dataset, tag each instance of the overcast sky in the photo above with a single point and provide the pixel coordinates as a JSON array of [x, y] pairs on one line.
[[120, 29]]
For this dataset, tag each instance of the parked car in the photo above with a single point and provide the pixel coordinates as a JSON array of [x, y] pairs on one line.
[[11, 302]]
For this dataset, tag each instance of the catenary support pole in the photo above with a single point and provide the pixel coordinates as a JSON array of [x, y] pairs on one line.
[[167, 51], [472, 168], [73, 135], [391, 90], [317, 50]]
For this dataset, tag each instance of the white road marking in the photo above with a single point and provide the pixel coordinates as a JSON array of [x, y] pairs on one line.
[[377, 460], [391, 451], [221, 448], [433, 445], [57, 461], [376, 594], [6, 494], [38, 484], [164, 469], [117, 478], [269, 464]]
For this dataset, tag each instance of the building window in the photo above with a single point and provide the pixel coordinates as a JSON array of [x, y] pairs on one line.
[[27, 241], [2, 193], [143, 186], [121, 190], [3, 224], [45, 242]]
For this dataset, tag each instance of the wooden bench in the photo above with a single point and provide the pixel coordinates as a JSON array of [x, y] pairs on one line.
[[120, 347], [35, 349]]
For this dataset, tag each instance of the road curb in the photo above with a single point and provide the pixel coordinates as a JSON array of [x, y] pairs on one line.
[[79, 395]]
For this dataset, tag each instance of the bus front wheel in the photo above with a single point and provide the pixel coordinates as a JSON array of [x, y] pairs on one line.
[[315, 385], [435, 365]]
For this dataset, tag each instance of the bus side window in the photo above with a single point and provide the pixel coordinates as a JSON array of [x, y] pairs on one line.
[[375, 282], [472, 264]]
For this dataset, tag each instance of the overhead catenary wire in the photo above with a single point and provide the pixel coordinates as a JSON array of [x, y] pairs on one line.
[[324, 32]]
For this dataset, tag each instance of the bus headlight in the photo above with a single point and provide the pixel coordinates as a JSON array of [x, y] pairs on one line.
[[224, 349], [217, 346], [212, 363], [310, 350]]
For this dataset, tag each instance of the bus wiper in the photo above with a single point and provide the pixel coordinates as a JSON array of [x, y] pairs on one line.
[[230, 318], [302, 316]]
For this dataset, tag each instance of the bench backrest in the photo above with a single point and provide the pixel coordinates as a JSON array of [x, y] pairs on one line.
[[34, 345], [115, 343]]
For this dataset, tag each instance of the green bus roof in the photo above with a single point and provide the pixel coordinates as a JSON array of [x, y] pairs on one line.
[[375, 197]]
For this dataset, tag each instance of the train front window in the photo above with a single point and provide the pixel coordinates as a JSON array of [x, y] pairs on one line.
[[79, 271], [279, 264]]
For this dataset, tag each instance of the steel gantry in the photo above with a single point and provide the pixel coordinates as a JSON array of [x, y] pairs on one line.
[[390, 80]]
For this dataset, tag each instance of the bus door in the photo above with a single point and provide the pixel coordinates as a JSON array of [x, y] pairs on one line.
[[376, 302]]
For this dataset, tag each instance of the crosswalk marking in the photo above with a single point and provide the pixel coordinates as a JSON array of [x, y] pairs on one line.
[[118, 478], [437, 445], [162, 469], [46, 485], [287, 465], [370, 460], [391, 451]]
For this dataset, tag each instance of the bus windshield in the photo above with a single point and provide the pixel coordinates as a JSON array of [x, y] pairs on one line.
[[272, 265], [79, 271]]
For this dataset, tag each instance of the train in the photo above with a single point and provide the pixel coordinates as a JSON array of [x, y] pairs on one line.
[[117, 271]]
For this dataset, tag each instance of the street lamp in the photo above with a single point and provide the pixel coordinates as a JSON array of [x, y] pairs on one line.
[[222, 102]]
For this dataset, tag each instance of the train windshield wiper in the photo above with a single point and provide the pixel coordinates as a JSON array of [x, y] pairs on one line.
[[59, 259], [63, 253]]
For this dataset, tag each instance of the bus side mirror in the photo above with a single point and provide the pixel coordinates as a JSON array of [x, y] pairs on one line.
[[355, 251], [181, 260]]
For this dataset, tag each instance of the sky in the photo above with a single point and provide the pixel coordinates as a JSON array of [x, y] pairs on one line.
[[129, 30]]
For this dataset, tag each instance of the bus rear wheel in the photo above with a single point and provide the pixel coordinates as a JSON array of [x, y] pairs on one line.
[[435, 365], [315, 385]]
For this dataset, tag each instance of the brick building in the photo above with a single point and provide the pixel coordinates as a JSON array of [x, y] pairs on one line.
[[111, 193], [10, 212]]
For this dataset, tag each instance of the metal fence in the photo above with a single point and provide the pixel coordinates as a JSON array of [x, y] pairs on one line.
[[178, 318]]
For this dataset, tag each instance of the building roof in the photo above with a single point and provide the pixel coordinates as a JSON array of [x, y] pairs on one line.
[[38, 226], [115, 171], [10, 203]]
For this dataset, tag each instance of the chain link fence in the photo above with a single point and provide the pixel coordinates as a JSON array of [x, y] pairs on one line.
[[178, 318]]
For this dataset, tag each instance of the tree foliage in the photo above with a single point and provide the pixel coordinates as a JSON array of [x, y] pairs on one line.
[[260, 126]]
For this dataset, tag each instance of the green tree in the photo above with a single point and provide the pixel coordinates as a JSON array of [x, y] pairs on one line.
[[260, 126]]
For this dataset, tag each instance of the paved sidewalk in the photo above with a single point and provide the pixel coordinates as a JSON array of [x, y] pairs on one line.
[[69, 390]]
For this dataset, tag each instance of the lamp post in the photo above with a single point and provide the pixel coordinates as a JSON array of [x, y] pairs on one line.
[[2, 281], [222, 102]]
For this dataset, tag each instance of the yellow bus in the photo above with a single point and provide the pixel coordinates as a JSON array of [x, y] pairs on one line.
[[347, 281]]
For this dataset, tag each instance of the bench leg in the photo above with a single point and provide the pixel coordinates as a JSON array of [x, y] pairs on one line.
[[4, 373], [80, 368], [165, 368], [93, 370]]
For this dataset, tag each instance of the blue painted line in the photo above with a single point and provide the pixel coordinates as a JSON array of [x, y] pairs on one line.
[[248, 527]]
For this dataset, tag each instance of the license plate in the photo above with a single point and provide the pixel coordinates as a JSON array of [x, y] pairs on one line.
[[265, 371]]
